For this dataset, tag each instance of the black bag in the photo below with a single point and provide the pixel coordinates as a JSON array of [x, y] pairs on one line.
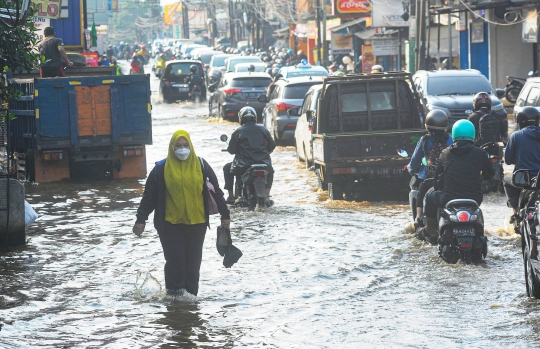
[[196, 79], [489, 129], [226, 248], [432, 158]]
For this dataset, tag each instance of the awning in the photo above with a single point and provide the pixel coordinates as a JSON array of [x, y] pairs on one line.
[[283, 32], [348, 24], [372, 33]]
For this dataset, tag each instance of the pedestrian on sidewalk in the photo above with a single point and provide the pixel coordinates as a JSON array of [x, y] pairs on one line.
[[176, 190], [53, 50]]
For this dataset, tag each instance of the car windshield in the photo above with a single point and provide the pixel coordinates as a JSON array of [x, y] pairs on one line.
[[452, 85], [181, 69], [306, 72], [206, 57], [219, 61], [251, 82], [296, 91], [233, 63], [244, 68]]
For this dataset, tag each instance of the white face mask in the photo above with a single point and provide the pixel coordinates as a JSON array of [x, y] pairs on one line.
[[182, 153]]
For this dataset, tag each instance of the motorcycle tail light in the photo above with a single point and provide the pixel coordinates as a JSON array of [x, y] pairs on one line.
[[463, 216], [465, 245], [135, 68], [494, 160], [259, 174]]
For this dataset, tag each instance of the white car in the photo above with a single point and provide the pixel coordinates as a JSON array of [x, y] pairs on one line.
[[243, 67], [306, 125]]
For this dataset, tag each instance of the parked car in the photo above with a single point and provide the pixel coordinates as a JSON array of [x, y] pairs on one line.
[[237, 90], [234, 60], [303, 70], [243, 67], [452, 91], [173, 85], [217, 66], [287, 93], [529, 95], [304, 126]]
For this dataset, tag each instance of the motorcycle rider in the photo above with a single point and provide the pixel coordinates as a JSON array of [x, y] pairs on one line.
[[522, 151], [423, 162], [458, 176], [250, 144], [484, 121], [251, 68], [193, 79]]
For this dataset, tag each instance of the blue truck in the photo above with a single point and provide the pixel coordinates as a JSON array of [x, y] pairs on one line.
[[94, 126]]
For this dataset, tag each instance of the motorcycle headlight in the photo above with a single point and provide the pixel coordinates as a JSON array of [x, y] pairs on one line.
[[436, 107], [497, 107]]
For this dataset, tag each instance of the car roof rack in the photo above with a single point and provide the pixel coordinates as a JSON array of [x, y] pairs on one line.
[[393, 75]]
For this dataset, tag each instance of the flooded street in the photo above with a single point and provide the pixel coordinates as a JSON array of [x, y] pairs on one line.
[[314, 274]]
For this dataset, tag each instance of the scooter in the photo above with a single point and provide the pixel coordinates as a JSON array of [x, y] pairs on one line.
[[196, 93], [495, 151], [525, 223], [250, 187], [513, 88]]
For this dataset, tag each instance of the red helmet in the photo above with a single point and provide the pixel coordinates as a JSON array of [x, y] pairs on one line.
[[481, 100]]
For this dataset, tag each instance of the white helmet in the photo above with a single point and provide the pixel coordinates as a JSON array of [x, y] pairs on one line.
[[377, 69]]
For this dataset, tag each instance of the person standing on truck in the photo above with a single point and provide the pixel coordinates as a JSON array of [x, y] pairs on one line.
[[176, 190], [53, 50], [458, 176], [488, 127], [426, 155]]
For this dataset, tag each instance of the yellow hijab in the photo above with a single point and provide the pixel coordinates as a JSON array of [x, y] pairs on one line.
[[184, 202]]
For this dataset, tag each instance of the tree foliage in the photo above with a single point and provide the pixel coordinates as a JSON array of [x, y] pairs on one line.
[[16, 43], [124, 25]]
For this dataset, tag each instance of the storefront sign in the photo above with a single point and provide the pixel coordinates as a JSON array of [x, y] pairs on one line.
[[341, 44], [48, 8], [477, 31], [530, 26], [351, 8], [391, 13], [171, 13], [368, 60], [385, 47], [41, 24]]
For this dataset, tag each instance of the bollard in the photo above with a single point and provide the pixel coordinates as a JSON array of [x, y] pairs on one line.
[[16, 231]]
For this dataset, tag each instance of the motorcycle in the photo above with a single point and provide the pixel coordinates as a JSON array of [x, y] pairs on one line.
[[137, 68], [250, 187], [526, 224], [515, 85], [196, 93], [495, 151], [158, 67]]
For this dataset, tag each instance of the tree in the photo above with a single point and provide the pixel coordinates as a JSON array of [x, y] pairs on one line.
[[16, 44]]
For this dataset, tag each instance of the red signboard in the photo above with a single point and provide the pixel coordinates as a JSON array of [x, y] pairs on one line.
[[351, 8]]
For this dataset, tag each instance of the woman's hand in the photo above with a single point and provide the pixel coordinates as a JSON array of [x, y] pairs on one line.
[[138, 229], [226, 223]]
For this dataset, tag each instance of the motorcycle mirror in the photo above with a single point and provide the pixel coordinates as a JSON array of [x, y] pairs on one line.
[[531, 73], [521, 179], [500, 93], [223, 138], [403, 153]]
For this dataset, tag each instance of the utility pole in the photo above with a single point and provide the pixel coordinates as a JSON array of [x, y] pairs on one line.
[[318, 21], [231, 24], [324, 46], [185, 20], [422, 50]]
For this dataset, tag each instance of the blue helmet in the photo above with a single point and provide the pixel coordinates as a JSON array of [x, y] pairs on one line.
[[463, 130]]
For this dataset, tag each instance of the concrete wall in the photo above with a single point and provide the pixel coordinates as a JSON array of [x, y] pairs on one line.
[[508, 54], [16, 227]]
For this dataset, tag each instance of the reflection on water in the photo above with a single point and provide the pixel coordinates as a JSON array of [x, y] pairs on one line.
[[315, 273]]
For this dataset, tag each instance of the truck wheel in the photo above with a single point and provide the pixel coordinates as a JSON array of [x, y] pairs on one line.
[[77, 59], [335, 191], [531, 281]]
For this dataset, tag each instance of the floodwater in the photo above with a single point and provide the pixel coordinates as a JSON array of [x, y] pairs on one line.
[[314, 274]]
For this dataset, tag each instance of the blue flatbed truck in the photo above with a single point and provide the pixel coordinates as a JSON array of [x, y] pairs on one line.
[[81, 126]]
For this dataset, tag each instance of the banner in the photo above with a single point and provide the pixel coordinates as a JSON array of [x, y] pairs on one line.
[[368, 60], [341, 44], [391, 13], [385, 47], [48, 8], [41, 24], [172, 13], [530, 26], [351, 8]]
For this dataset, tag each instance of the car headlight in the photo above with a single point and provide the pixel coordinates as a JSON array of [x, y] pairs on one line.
[[497, 107], [436, 107]]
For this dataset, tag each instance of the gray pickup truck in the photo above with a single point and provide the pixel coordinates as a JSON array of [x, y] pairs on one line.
[[360, 123]]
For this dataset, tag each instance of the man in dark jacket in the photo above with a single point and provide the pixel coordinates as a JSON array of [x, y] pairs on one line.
[[482, 107], [522, 151], [53, 50], [458, 176], [251, 144]]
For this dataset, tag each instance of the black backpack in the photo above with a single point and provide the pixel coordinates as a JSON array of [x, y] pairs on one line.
[[196, 79], [432, 157], [489, 129]]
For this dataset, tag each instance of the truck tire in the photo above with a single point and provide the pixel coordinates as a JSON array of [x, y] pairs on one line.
[[335, 191], [77, 59]]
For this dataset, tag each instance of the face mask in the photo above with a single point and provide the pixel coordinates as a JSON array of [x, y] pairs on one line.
[[182, 153]]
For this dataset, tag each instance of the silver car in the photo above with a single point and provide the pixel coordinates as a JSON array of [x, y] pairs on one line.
[[284, 95]]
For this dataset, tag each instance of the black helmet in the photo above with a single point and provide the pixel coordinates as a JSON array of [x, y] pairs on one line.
[[193, 68], [275, 71], [481, 100], [247, 114], [436, 120], [251, 68], [528, 116]]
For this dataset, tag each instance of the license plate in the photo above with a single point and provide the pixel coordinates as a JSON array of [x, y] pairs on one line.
[[253, 95], [464, 231], [183, 89]]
